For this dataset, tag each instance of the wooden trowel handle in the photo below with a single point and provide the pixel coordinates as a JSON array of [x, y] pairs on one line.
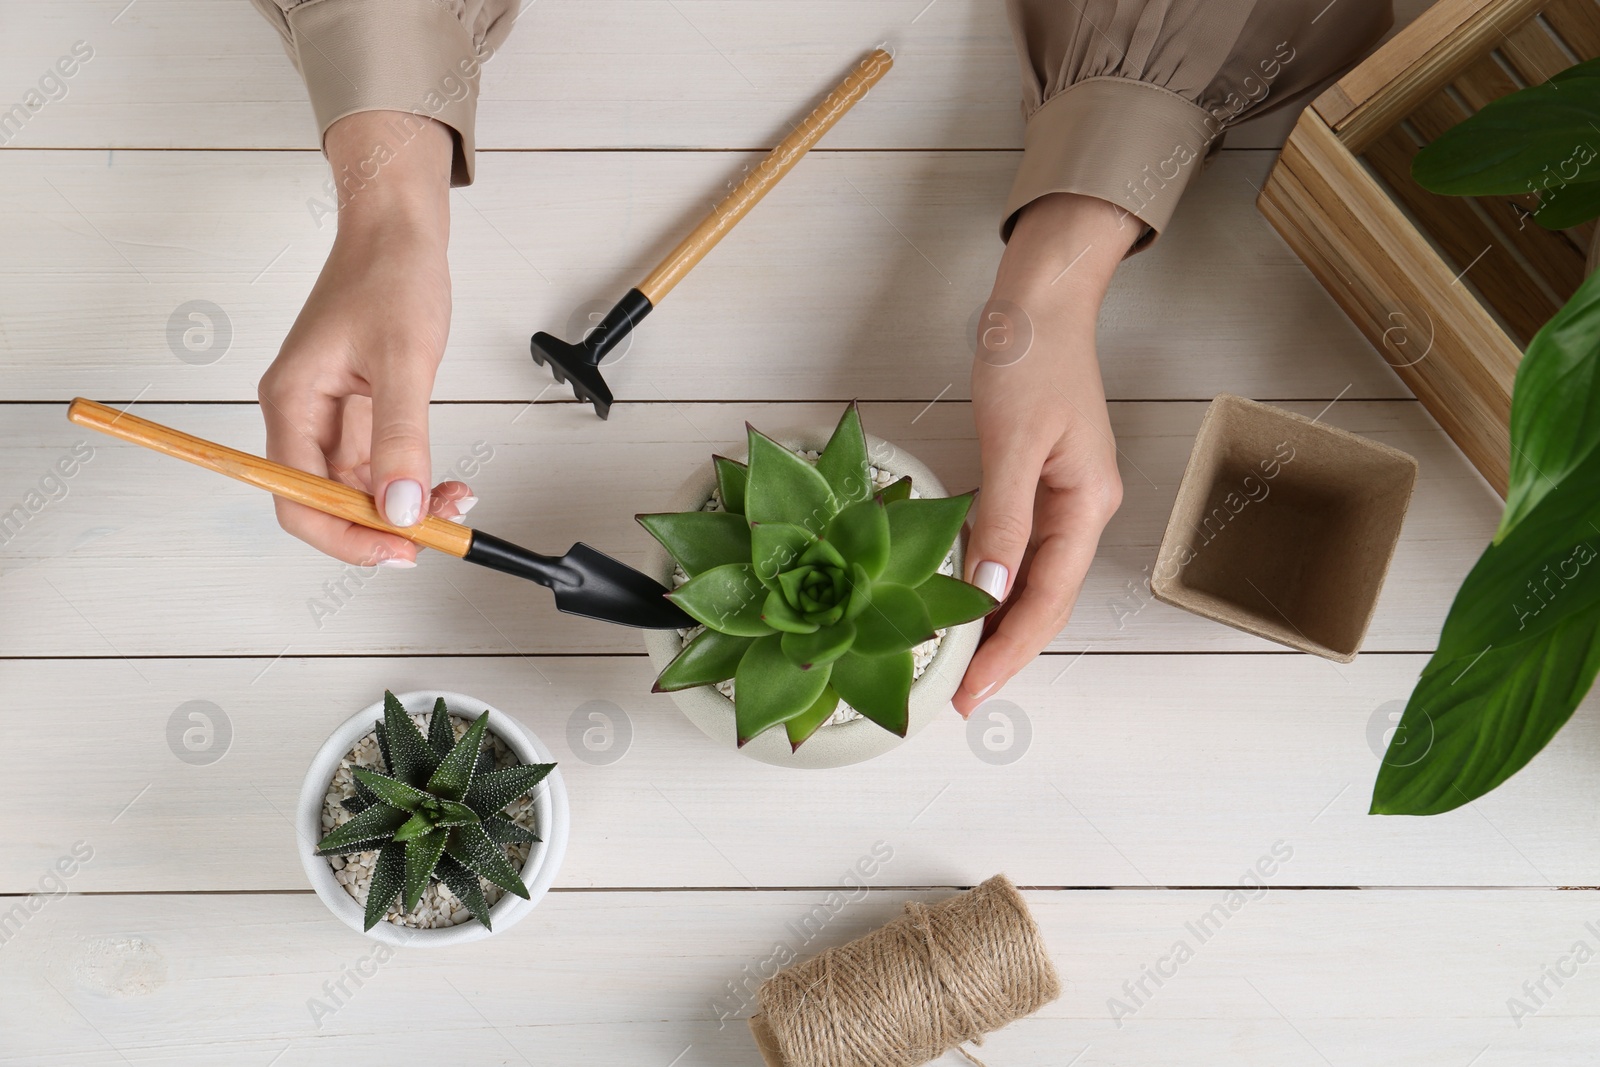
[[755, 185], [314, 491]]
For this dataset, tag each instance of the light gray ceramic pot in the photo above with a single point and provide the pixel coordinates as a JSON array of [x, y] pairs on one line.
[[551, 822], [845, 743]]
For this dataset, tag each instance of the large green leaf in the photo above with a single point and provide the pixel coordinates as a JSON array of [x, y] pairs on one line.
[[471, 847], [775, 547], [1555, 406], [803, 725], [783, 487], [731, 475], [1518, 652], [843, 461], [700, 540], [411, 759], [1511, 144], [710, 658], [921, 532], [861, 534], [377, 823], [1564, 206], [422, 855], [493, 791], [821, 646], [768, 689], [879, 687], [454, 773], [1539, 572], [895, 621], [727, 599], [1483, 718], [388, 875], [951, 601]]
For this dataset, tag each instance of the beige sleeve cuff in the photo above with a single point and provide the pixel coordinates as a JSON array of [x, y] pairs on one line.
[[1128, 142], [389, 55]]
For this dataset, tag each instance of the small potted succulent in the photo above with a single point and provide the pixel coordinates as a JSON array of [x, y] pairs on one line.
[[823, 579], [431, 838]]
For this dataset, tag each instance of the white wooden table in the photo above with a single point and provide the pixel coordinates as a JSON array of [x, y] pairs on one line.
[[1133, 774]]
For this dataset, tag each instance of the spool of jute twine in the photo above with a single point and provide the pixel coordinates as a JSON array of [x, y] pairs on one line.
[[933, 979]]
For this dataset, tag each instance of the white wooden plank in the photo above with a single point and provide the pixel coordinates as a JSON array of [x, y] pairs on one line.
[[861, 276], [575, 74], [148, 556], [1341, 977], [1123, 771]]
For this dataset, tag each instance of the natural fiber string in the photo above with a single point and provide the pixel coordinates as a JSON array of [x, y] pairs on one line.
[[931, 980]]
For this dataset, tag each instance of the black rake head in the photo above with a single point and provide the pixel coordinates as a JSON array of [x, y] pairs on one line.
[[574, 365]]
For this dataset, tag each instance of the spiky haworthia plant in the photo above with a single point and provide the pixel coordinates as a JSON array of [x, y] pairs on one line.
[[437, 814], [813, 586]]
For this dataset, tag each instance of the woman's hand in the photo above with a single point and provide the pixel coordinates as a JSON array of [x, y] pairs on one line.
[[1050, 481], [348, 395]]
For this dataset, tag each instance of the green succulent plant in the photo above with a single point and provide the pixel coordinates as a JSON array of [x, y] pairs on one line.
[[813, 586], [436, 815]]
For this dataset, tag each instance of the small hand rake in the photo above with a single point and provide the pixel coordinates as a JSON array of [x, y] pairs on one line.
[[579, 364]]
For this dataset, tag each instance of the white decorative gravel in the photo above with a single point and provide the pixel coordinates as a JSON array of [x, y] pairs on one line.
[[438, 906], [921, 655]]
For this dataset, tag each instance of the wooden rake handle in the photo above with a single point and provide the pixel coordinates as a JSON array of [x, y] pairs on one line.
[[314, 491], [766, 174]]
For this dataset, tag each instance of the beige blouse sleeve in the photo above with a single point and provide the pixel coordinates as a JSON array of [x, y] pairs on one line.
[[420, 56], [1124, 99]]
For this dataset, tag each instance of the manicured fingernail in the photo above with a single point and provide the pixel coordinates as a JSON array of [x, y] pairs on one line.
[[396, 563], [466, 504], [980, 694], [402, 504], [991, 578]]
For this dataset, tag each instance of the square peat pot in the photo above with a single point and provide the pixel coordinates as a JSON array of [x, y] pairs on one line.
[[1284, 527]]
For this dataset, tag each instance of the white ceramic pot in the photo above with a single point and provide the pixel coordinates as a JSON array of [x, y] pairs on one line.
[[844, 743], [551, 823]]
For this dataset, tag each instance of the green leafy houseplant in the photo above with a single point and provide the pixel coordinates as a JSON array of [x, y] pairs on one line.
[[436, 814], [1540, 139], [1521, 644], [812, 586]]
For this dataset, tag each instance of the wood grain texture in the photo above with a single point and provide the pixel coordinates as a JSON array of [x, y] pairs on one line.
[[1152, 771], [105, 253], [1472, 243], [764, 176], [585, 74], [1353, 978], [142, 556], [1460, 363], [1133, 771], [1415, 63]]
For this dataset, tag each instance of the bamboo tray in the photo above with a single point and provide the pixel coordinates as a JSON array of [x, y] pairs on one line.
[[1449, 289]]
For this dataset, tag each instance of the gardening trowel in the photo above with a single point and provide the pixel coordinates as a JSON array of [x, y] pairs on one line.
[[586, 582], [579, 364]]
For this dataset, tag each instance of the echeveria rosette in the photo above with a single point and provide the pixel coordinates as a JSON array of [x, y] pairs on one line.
[[436, 814], [813, 586]]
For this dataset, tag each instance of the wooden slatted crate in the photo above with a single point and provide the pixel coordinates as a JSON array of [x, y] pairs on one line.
[[1449, 289]]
